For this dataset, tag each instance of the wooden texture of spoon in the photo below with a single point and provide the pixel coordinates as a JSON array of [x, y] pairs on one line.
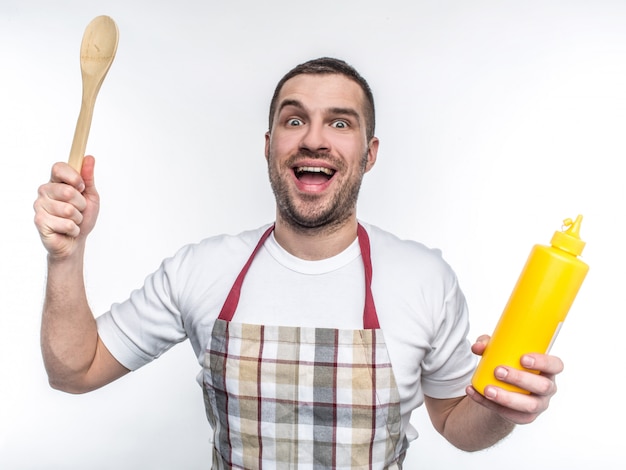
[[97, 52]]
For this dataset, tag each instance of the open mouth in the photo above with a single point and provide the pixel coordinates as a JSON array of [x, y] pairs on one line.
[[313, 174]]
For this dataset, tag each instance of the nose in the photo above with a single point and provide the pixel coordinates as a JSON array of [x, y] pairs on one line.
[[315, 139]]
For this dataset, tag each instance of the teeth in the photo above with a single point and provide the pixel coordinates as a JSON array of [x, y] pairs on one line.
[[315, 169]]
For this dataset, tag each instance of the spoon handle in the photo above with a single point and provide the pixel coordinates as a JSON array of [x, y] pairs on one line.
[[81, 133]]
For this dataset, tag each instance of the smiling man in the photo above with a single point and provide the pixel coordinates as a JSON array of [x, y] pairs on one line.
[[318, 150], [318, 334]]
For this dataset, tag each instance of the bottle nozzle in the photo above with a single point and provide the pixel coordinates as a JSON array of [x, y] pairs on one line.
[[569, 239], [573, 227]]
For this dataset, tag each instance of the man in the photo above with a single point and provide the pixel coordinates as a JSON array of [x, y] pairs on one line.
[[318, 334]]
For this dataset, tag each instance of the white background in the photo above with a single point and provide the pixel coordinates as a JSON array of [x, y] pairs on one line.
[[497, 120]]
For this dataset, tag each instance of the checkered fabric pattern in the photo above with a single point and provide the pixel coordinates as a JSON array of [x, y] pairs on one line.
[[301, 398]]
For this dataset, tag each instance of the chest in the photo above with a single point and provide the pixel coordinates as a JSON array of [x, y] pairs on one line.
[[274, 294]]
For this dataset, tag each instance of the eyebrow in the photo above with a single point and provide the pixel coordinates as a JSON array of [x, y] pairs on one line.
[[294, 103], [336, 110]]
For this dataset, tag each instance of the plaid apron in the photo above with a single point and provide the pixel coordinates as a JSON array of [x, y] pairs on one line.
[[282, 397]]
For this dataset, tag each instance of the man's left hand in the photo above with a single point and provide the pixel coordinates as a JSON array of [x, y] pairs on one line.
[[520, 408]]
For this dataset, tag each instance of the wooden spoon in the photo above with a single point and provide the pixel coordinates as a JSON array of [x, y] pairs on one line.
[[97, 52]]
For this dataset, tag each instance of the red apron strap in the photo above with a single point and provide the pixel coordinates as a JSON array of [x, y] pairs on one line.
[[230, 305], [370, 318]]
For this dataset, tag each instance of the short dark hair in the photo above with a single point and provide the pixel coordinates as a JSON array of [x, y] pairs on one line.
[[328, 66]]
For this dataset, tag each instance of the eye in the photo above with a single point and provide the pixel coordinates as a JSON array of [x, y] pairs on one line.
[[340, 125], [294, 122]]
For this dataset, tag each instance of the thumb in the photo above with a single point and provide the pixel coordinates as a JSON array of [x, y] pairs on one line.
[[87, 173], [481, 344]]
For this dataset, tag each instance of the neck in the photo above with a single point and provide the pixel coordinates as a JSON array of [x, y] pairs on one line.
[[315, 243]]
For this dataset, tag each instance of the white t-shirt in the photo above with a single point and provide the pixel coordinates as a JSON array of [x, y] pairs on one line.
[[421, 309]]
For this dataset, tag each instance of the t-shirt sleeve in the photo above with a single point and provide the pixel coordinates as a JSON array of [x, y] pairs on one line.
[[448, 367], [146, 325]]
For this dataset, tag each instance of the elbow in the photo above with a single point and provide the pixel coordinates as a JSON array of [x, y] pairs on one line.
[[68, 386], [477, 440], [470, 448], [464, 442]]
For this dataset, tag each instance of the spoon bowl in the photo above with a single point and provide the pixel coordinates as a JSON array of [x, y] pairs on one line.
[[97, 52]]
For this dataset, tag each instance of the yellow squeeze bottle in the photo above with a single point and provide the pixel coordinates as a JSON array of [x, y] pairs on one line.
[[537, 307]]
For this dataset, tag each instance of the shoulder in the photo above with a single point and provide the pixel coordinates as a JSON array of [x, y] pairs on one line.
[[198, 274], [212, 258], [410, 270], [389, 249], [223, 246]]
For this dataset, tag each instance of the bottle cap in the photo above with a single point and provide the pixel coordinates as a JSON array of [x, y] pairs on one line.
[[569, 239]]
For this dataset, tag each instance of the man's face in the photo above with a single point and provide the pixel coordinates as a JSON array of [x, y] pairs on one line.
[[317, 150]]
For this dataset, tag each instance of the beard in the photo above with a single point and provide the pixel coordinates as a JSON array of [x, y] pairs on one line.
[[312, 212]]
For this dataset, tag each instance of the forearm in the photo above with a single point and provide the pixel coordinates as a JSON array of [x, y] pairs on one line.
[[68, 331]]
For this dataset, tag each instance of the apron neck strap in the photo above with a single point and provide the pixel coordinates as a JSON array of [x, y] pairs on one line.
[[370, 318]]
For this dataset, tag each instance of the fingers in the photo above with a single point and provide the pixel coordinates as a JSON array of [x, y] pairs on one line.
[[62, 196], [53, 216], [540, 382], [539, 379], [515, 407], [58, 210], [63, 193], [536, 384], [544, 363], [61, 205], [63, 173]]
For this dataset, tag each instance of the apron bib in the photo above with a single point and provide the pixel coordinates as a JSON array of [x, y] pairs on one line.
[[281, 397]]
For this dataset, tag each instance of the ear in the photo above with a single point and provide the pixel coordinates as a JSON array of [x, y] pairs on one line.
[[267, 145], [372, 153]]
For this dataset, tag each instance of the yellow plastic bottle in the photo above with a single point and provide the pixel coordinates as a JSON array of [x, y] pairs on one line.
[[537, 307]]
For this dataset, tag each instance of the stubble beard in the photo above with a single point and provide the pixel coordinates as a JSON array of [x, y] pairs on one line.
[[309, 214]]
